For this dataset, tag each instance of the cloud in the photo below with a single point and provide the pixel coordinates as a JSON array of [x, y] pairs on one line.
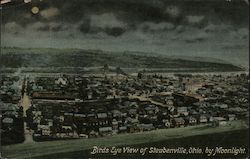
[[235, 47], [240, 34], [49, 13], [48, 26], [39, 26], [54, 26], [84, 25], [211, 28], [243, 33], [106, 20], [190, 35], [163, 26], [173, 11], [195, 19], [12, 27], [115, 31], [205, 28], [197, 37], [180, 29]]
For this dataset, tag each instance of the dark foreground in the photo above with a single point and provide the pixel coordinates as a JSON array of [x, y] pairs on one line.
[[238, 138]]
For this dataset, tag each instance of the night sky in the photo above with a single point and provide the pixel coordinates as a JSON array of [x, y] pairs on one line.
[[204, 28]]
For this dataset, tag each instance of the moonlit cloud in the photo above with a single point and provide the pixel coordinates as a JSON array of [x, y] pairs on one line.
[[173, 11], [195, 19], [106, 20], [12, 28], [49, 13]]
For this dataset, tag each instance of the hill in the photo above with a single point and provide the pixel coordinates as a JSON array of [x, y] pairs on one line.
[[73, 58]]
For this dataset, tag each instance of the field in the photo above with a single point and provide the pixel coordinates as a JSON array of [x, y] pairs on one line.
[[238, 138], [186, 136]]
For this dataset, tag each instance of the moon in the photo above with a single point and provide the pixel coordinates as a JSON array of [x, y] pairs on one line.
[[35, 10]]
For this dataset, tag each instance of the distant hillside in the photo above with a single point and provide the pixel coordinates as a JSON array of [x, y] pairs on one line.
[[192, 58], [20, 57]]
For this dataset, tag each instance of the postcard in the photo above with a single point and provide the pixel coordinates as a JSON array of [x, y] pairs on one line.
[[124, 79]]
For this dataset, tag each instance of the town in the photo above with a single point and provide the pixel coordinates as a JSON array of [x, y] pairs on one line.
[[56, 107]]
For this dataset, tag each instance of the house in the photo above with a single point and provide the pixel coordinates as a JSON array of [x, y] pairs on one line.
[[37, 113], [105, 131], [133, 128], [45, 129], [8, 121], [220, 105], [93, 133], [146, 127], [68, 117], [61, 135], [79, 116], [78, 79], [102, 115], [178, 122], [122, 129], [132, 111], [83, 136], [182, 110], [66, 131], [50, 122], [92, 120], [36, 135], [61, 81], [191, 120], [231, 117], [89, 94], [115, 124], [102, 119], [116, 113], [211, 119], [169, 102], [201, 104], [131, 120], [219, 121], [203, 119], [37, 119], [237, 110], [67, 127]]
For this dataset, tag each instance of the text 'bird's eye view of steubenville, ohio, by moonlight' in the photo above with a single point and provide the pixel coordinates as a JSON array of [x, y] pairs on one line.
[[124, 79]]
